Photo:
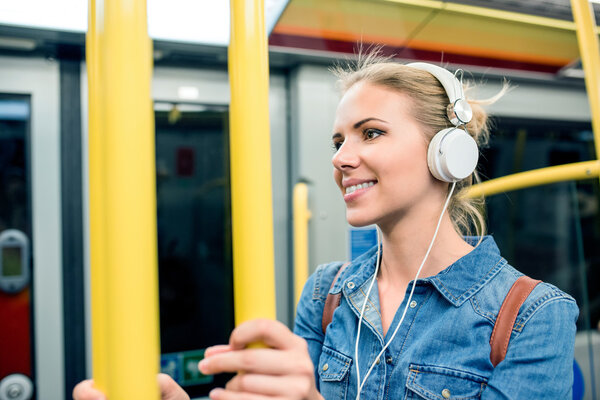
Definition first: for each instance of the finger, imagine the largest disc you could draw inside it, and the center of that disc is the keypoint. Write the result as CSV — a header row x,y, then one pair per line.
x,y
272,333
222,394
170,390
269,385
85,391
221,348
258,361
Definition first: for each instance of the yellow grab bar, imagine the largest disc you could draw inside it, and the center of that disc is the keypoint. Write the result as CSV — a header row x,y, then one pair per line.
x,y
250,154
301,217
542,176
97,225
590,58
123,193
590,55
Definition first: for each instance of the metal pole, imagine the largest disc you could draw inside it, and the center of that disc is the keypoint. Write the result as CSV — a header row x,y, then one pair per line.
x,y
590,58
542,176
301,217
127,201
96,185
251,200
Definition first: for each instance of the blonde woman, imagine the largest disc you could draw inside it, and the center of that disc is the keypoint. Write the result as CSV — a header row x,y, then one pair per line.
x,y
416,313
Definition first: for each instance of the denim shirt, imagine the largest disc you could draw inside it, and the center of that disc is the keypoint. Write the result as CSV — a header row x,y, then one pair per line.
x,y
442,349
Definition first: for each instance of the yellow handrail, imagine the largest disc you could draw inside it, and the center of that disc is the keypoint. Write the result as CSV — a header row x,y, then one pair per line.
x,y
590,58
125,196
301,217
250,154
97,226
589,49
542,176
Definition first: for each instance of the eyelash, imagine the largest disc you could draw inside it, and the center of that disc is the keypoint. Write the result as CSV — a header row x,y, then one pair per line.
x,y
372,130
336,145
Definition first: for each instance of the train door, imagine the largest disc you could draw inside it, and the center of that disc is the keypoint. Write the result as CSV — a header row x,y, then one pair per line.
x,y
31,342
194,217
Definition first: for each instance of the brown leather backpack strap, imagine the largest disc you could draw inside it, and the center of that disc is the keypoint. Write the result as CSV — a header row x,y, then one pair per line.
x,y
508,315
332,301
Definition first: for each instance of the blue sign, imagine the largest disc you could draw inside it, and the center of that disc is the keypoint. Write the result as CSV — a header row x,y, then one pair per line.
x,y
183,367
361,240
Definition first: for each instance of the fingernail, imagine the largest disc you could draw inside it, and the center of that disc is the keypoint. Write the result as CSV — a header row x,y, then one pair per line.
x,y
215,393
203,365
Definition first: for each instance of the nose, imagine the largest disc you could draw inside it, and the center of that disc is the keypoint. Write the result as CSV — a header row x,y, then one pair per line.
x,y
346,157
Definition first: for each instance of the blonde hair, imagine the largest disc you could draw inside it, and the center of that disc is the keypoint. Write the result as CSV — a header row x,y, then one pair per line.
x,y
429,103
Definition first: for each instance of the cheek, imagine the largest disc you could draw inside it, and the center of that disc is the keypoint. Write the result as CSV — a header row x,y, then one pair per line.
x,y
407,167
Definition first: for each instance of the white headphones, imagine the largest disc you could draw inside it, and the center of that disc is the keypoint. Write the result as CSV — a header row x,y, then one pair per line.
x,y
452,154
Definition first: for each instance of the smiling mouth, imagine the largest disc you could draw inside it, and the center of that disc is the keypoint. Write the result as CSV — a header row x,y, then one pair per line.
x,y
353,188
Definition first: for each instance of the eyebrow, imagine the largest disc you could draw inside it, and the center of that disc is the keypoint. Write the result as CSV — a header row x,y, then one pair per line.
x,y
358,124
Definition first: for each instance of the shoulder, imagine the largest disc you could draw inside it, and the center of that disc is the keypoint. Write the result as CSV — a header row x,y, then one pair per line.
x,y
320,281
309,311
488,300
316,288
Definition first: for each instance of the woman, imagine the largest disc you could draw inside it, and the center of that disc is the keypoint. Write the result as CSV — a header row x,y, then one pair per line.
x,y
389,338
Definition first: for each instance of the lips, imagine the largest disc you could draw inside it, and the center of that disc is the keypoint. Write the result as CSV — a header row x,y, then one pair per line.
x,y
353,188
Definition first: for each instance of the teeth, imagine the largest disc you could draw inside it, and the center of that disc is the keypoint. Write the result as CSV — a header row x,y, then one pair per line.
x,y
353,188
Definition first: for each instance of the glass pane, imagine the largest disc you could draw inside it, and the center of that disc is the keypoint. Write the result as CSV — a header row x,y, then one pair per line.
x,y
194,238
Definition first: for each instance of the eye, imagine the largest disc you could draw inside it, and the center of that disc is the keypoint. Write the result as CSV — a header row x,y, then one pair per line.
x,y
372,133
337,144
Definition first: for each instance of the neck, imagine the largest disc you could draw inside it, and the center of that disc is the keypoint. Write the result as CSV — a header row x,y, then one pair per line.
x,y
406,241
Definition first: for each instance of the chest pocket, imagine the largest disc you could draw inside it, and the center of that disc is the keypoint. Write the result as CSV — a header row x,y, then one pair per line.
x,y
334,370
428,382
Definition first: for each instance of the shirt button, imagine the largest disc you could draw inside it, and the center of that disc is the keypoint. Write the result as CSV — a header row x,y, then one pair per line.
x,y
389,360
350,285
325,367
413,304
446,393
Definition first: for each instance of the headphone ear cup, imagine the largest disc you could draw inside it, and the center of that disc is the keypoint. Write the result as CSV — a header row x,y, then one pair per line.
x,y
452,155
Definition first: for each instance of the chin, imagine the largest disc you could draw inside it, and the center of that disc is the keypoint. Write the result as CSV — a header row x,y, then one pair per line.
x,y
358,221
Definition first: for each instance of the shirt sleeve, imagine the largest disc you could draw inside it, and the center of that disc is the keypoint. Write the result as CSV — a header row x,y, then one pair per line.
x,y
309,314
539,360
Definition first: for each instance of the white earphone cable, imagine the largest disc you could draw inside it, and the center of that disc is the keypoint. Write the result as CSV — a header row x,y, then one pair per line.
x,y
362,311
360,386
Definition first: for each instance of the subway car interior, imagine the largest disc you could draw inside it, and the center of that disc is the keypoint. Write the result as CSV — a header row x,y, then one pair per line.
x,y
547,230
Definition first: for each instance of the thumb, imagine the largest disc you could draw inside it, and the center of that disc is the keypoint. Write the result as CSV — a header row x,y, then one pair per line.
x,y
170,390
85,391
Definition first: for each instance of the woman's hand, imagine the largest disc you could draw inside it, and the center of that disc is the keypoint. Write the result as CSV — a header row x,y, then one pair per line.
x,y
283,370
169,390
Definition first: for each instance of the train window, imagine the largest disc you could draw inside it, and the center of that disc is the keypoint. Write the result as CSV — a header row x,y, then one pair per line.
x,y
194,238
550,232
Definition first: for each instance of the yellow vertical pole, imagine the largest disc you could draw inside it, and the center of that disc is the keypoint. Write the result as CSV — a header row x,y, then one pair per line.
x,y
590,57
97,250
301,217
127,200
250,153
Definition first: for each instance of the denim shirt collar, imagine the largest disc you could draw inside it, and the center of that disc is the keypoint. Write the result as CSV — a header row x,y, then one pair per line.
x,y
457,283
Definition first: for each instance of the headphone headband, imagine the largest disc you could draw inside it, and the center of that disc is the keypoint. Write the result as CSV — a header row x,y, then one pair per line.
x,y
459,111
